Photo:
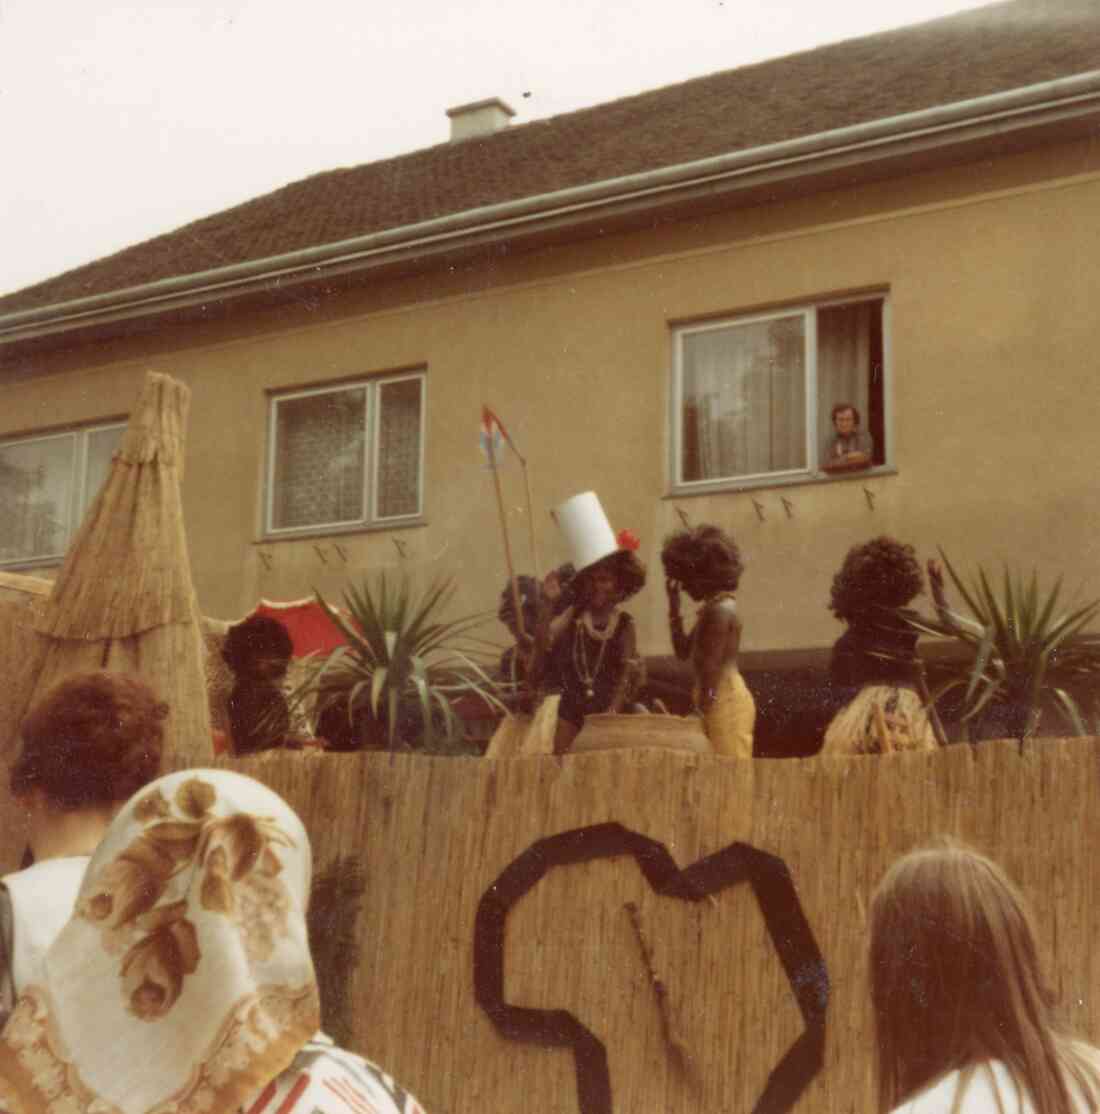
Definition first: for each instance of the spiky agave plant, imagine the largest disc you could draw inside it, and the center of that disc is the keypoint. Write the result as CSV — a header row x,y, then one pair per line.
x,y
402,656
1023,653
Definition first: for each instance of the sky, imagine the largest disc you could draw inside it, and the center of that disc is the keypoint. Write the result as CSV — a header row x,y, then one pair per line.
x,y
123,120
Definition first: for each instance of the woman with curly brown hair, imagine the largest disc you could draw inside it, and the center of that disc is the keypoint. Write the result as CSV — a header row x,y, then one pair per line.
x,y
93,741
964,1021
876,658
706,563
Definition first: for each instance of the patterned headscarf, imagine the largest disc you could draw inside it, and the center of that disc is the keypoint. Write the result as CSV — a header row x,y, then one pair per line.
x,y
183,981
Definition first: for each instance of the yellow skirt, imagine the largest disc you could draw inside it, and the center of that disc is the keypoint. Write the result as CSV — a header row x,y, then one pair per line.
x,y
730,719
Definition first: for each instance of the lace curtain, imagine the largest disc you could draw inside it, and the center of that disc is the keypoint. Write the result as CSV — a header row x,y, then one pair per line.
x,y
744,390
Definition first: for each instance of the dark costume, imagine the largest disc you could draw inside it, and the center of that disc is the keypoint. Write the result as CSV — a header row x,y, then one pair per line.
x,y
876,651
587,668
259,715
875,666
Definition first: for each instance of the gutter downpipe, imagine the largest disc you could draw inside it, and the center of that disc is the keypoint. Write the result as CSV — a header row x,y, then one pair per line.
x,y
1080,89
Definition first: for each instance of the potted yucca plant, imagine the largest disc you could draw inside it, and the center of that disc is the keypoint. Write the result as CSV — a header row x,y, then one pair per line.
x,y
1025,657
402,671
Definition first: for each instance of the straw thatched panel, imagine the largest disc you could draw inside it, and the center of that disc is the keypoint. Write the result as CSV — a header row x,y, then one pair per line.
x,y
431,835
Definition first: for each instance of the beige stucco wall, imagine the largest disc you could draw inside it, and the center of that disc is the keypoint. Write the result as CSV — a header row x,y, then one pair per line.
x,y
993,273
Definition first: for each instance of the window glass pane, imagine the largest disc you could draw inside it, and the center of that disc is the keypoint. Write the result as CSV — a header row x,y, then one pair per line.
x,y
320,450
744,400
399,448
848,348
35,495
101,446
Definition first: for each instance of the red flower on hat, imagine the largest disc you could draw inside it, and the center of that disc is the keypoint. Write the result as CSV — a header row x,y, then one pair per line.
x,y
627,539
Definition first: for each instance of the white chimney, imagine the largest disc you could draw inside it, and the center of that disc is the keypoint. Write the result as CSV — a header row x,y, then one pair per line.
x,y
479,118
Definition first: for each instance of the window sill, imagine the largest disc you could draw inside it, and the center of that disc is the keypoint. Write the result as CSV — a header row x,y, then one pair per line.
x,y
312,533
759,483
29,568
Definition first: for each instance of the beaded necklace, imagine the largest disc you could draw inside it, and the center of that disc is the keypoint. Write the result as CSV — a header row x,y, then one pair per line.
x,y
580,649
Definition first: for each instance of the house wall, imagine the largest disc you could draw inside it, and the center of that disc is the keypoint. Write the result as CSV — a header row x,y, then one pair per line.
x,y
992,269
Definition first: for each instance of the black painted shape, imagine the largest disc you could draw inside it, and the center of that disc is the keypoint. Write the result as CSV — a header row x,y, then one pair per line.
x,y
774,890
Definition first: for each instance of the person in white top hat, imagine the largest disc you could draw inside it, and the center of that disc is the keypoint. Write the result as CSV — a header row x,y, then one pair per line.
x,y
591,648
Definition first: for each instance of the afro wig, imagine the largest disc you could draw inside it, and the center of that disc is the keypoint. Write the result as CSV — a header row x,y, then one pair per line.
x,y
882,574
705,556
258,636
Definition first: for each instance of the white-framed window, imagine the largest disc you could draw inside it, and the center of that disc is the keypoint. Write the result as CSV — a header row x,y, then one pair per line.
x,y
346,456
47,482
753,396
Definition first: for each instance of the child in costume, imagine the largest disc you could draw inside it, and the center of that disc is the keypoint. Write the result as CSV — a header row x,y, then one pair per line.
x,y
875,661
258,650
706,563
590,649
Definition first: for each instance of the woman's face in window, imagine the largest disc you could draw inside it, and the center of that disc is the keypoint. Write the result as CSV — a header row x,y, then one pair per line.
x,y
845,423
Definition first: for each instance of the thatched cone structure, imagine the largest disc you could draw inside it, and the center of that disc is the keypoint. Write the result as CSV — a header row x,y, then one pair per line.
x,y
124,599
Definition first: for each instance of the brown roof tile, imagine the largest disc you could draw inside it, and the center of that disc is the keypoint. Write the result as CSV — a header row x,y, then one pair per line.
x,y
988,50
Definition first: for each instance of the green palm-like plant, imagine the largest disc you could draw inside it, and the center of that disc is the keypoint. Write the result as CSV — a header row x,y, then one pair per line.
x,y
1023,653
402,658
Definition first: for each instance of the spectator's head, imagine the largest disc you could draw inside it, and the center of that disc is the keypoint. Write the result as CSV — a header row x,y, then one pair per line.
x,y
259,648
845,418
91,742
880,575
955,977
704,559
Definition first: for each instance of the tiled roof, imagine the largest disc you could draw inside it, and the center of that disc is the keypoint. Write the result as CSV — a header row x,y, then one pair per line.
x,y
988,50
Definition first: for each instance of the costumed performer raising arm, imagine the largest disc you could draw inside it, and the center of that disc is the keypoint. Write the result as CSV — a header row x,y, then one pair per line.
x,y
590,648
706,563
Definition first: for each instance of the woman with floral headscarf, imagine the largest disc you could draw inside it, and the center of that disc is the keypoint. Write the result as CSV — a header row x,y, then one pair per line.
x,y
184,980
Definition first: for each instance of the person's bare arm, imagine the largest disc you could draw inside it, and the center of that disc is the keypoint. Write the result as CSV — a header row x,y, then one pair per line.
x,y
626,665
717,641
681,641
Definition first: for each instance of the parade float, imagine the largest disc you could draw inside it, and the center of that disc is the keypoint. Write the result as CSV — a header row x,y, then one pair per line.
x,y
640,927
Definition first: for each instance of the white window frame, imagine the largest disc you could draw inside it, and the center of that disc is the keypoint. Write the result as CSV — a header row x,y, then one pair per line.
x,y
79,496
370,520
808,311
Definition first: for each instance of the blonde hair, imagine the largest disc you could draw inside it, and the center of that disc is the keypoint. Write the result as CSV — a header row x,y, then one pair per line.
x,y
955,982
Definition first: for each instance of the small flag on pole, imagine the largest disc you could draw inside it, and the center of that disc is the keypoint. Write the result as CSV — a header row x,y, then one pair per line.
x,y
492,436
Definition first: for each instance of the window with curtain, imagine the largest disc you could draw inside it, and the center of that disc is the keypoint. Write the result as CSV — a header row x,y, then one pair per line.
x,y
753,395
47,482
346,456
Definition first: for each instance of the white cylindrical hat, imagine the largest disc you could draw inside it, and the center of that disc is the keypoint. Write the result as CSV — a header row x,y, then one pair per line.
x,y
586,529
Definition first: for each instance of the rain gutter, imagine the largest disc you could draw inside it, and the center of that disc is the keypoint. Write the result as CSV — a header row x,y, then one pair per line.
x,y
1047,103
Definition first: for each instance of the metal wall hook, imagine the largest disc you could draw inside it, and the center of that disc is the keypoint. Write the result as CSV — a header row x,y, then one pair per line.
x,y
788,506
320,553
266,558
400,547
343,553
684,518
759,509
870,497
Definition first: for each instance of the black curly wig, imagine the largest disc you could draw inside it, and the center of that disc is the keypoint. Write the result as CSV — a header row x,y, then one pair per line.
x,y
258,636
704,557
881,574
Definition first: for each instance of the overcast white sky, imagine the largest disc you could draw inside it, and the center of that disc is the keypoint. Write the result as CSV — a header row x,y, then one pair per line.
x,y
122,120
